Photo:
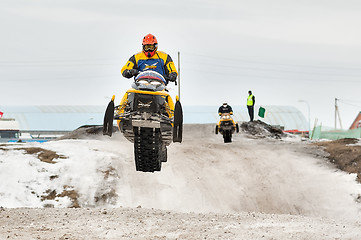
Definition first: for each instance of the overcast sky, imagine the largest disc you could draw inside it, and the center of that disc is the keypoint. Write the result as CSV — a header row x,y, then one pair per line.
x,y
71,51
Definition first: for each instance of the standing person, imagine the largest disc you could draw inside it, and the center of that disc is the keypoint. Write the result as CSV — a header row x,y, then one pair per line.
x,y
251,100
225,108
150,59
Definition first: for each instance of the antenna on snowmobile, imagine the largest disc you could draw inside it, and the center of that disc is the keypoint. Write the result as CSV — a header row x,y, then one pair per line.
x,y
178,112
178,74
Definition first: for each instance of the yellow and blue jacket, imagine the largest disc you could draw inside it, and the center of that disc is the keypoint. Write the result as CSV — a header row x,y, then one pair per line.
x,y
159,62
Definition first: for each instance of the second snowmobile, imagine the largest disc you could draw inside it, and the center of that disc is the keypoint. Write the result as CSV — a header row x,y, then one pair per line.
x,y
227,126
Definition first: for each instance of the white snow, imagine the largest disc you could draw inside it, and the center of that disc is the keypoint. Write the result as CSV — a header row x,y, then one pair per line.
x,y
204,181
358,143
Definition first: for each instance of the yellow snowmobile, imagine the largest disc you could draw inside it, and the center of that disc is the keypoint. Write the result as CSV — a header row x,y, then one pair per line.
x,y
227,126
148,118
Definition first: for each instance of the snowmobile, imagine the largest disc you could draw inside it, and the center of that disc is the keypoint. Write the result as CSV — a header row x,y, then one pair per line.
x,y
148,118
226,126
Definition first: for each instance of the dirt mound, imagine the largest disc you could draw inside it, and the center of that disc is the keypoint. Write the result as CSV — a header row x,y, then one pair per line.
x,y
89,131
260,129
85,132
344,154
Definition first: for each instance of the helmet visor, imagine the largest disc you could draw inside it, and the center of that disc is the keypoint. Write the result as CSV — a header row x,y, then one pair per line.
x,y
149,47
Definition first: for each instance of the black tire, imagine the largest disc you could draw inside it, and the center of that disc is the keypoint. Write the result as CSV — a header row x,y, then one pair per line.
x,y
216,129
108,119
178,122
147,145
237,128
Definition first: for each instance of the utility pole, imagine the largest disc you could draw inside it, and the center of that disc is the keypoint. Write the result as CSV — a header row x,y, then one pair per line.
x,y
337,113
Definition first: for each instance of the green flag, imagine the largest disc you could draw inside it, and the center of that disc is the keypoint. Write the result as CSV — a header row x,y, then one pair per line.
x,y
261,112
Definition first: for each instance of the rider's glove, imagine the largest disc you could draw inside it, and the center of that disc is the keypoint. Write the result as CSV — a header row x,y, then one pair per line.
x,y
128,73
172,76
133,72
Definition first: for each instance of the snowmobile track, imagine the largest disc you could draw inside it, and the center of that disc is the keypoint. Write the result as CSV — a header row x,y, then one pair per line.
x,y
227,136
146,149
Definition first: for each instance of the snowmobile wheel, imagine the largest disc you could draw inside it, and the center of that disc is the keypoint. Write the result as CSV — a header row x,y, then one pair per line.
x,y
216,129
147,147
178,122
108,119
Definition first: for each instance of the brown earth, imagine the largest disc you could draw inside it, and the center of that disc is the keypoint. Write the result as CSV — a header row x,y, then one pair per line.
x,y
344,155
67,192
44,155
259,129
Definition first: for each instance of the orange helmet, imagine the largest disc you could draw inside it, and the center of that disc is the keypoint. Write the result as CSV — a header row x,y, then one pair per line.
x,y
150,45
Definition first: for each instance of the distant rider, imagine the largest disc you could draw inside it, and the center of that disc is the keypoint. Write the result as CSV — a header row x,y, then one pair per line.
x,y
150,59
225,108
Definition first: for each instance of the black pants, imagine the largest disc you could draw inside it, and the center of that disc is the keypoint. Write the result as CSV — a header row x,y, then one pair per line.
x,y
251,112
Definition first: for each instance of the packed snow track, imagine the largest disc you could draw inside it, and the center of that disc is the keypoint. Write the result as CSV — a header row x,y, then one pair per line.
x,y
249,183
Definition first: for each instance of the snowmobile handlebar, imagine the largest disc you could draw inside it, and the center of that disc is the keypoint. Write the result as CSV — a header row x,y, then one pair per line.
x,y
167,78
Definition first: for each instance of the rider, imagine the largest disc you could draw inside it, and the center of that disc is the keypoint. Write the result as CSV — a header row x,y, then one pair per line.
x,y
150,59
225,108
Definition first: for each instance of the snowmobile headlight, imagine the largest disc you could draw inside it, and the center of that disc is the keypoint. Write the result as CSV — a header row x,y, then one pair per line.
x,y
226,117
143,82
155,83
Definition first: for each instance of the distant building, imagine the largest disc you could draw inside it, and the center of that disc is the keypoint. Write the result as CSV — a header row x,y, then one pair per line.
x,y
357,122
286,117
68,118
9,129
41,123
54,118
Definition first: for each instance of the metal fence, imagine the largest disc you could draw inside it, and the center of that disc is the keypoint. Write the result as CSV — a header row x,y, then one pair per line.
x,y
317,133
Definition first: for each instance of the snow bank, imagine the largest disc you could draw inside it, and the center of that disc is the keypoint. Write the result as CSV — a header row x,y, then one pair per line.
x,y
202,175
